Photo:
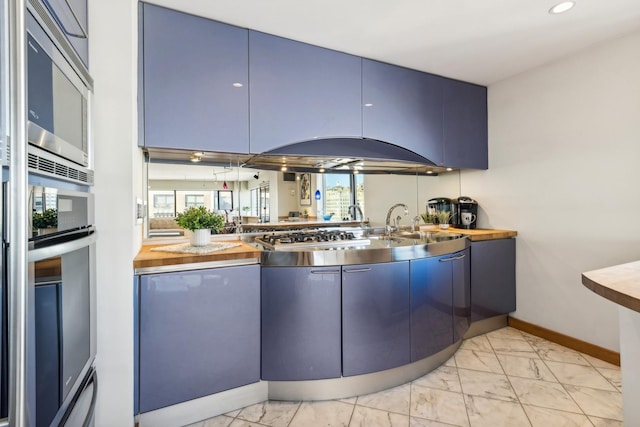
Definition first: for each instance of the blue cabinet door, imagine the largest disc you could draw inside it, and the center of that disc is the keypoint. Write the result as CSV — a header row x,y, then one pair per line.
x,y
431,307
375,317
461,279
300,92
403,107
493,278
199,334
465,125
301,335
192,67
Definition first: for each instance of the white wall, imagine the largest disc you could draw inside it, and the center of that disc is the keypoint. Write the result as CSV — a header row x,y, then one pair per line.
x,y
118,181
564,171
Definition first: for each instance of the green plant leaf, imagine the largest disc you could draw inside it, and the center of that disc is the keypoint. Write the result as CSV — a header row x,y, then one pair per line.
x,y
196,218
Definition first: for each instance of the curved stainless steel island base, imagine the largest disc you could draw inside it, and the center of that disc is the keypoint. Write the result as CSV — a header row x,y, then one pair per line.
x,y
358,385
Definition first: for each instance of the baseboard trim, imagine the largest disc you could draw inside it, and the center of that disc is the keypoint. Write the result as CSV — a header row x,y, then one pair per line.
x,y
567,341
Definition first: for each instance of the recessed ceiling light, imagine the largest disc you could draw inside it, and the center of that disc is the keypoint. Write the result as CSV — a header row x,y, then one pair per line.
x,y
449,169
429,172
356,171
237,84
321,170
195,159
283,168
368,104
562,7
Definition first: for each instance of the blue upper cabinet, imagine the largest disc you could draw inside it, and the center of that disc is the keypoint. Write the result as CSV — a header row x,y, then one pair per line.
x,y
195,83
465,125
300,92
403,107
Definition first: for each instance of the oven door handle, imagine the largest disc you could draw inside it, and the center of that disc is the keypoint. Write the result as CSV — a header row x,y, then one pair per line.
x,y
35,255
94,396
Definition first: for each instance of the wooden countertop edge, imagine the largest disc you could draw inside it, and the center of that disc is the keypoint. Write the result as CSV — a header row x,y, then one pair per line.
x,y
146,259
478,235
609,292
148,263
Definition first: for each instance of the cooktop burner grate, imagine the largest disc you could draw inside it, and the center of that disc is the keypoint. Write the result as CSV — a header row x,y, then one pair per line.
x,y
323,239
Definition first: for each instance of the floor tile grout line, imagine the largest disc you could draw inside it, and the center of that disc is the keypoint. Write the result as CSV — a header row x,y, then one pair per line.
x,y
511,384
561,384
295,413
466,408
353,411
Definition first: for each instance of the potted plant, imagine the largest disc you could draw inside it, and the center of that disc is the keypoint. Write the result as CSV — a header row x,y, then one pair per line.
x,y
443,218
45,220
429,218
200,221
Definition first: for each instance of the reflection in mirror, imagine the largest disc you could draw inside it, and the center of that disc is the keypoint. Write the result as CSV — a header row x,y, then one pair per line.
x,y
249,196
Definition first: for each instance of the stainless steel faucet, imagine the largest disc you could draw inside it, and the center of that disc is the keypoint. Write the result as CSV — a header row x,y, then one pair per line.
x,y
356,211
414,221
387,223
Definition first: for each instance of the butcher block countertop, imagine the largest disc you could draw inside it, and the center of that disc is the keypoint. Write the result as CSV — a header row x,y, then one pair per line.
x,y
147,258
476,235
620,284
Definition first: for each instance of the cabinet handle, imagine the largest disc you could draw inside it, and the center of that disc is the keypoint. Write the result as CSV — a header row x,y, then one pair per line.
x,y
452,258
325,271
357,270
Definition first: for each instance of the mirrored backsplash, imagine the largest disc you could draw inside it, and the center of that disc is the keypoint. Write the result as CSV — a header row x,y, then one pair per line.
x,y
252,195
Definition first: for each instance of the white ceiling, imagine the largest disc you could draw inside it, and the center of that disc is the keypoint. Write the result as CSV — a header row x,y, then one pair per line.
x,y
480,41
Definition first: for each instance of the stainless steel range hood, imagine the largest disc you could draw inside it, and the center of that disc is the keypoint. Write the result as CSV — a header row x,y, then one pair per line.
x,y
335,155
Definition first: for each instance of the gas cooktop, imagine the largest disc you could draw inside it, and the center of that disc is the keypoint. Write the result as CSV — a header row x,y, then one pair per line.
x,y
308,239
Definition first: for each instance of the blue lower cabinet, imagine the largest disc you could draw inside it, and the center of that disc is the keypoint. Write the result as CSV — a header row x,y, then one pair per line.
x,y
199,333
493,278
301,336
375,317
431,307
461,279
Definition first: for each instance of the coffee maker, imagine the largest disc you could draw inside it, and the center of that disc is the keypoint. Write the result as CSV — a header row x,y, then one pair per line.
x,y
464,212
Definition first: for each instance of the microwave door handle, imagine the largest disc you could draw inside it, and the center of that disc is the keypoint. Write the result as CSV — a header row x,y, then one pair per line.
x,y
81,34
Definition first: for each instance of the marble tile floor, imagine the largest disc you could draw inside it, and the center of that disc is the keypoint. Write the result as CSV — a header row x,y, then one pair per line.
x,y
503,378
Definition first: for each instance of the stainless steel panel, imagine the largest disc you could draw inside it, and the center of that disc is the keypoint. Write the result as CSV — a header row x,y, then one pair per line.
x,y
383,250
18,293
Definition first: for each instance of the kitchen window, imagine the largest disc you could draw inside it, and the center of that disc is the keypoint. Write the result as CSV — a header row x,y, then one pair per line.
x,y
225,200
163,205
193,200
339,191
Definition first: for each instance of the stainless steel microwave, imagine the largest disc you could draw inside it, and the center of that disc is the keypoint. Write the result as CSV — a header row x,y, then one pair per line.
x,y
57,99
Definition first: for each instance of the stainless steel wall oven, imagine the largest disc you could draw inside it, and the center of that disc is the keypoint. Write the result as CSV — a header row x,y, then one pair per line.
x,y
62,276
